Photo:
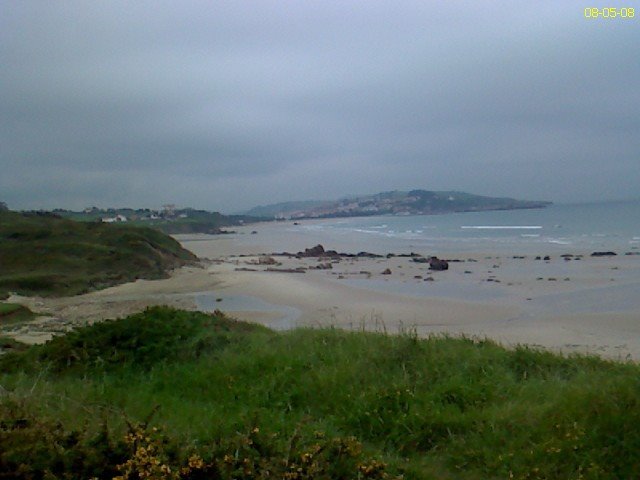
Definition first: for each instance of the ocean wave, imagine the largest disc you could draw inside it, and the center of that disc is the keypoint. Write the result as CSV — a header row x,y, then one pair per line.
x,y
559,242
503,227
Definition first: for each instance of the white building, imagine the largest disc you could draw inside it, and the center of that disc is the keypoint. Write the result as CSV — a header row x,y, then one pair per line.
x,y
116,219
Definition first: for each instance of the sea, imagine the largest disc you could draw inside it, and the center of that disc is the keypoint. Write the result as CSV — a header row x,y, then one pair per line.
x,y
556,229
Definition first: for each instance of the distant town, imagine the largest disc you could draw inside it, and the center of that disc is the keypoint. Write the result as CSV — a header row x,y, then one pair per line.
x,y
414,202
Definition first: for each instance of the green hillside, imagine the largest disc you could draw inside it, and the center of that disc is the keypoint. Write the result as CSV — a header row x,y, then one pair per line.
x,y
43,254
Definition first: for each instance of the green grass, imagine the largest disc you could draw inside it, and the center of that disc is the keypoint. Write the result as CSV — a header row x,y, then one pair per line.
x,y
12,313
46,255
436,408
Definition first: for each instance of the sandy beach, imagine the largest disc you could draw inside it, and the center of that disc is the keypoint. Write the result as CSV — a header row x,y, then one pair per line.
x,y
569,304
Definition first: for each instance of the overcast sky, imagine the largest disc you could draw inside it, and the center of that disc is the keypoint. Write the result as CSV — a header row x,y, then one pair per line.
x,y
227,105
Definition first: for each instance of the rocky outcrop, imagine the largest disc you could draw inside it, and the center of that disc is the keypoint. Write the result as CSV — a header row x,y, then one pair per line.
x,y
436,264
603,254
316,251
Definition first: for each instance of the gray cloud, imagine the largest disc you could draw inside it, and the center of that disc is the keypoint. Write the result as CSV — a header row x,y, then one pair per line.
x,y
224,105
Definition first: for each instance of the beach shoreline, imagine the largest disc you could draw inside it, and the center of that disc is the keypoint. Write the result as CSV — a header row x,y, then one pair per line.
x,y
582,304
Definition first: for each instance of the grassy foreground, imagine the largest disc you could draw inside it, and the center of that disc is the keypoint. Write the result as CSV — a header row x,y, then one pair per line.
x,y
172,394
42,254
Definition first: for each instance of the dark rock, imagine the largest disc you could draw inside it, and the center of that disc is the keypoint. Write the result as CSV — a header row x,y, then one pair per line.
x,y
468,271
287,270
436,264
603,254
284,254
420,260
245,269
314,251
429,279
538,258
253,232
368,255
547,258
386,272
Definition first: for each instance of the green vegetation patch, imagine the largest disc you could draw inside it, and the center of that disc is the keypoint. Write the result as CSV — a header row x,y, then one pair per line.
x,y
43,254
10,344
11,313
159,335
233,400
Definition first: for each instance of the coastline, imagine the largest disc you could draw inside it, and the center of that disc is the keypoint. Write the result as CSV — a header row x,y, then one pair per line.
x,y
583,305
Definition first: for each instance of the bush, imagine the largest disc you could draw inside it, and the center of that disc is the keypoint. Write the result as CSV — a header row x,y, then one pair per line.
x,y
157,335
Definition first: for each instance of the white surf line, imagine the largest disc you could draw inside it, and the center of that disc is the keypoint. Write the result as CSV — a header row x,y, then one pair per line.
x,y
503,227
